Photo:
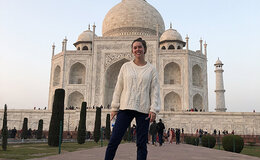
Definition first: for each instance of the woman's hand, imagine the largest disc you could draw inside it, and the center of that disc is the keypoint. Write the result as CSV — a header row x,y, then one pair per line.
x,y
152,116
113,114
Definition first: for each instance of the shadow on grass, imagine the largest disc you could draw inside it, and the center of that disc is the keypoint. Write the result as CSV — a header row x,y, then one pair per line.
x,y
28,151
247,150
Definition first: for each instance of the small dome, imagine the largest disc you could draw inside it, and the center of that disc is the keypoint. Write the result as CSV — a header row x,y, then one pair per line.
x,y
85,36
218,62
132,18
171,35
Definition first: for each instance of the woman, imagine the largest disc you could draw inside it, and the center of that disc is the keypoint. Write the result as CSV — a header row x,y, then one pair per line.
x,y
136,96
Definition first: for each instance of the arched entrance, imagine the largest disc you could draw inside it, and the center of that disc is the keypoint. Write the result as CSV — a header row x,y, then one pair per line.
x,y
172,73
197,102
56,76
196,76
75,99
172,102
77,74
111,79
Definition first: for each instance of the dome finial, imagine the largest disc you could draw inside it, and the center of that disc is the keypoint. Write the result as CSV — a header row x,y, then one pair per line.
x,y
88,26
171,25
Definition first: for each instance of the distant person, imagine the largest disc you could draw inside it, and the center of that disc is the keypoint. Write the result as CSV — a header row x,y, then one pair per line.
x,y
153,132
178,134
171,136
215,131
160,128
13,133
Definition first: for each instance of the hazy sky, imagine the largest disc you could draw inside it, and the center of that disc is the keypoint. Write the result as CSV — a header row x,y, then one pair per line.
x,y
28,28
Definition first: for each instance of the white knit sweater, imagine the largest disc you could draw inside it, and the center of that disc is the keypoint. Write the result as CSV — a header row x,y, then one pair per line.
x,y
137,88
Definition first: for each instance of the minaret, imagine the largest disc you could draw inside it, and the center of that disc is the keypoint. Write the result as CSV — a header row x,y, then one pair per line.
x,y
53,49
65,43
220,98
205,49
201,45
187,43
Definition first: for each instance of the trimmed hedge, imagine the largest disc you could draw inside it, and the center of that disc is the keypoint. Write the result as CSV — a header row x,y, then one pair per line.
x,y
57,117
233,143
39,131
24,134
4,130
97,128
208,141
107,130
192,140
81,135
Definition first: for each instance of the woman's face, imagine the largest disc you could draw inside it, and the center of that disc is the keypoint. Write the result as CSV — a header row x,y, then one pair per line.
x,y
138,50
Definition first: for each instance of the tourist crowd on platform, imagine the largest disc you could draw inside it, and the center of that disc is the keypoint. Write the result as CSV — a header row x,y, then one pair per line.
x,y
16,134
195,110
157,133
201,132
35,108
93,107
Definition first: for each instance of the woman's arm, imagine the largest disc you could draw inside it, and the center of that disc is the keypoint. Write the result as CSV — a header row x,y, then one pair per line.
x,y
155,93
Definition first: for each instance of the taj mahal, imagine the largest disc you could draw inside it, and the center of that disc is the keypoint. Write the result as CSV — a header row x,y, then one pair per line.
x,y
89,73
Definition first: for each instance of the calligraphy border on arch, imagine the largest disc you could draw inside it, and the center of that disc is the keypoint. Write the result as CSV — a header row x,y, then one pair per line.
x,y
111,58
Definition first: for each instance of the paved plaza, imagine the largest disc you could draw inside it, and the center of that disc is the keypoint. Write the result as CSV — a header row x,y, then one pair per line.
x,y
166,152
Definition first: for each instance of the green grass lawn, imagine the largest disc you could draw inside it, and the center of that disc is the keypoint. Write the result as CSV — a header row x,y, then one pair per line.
x,y
247,150
27,151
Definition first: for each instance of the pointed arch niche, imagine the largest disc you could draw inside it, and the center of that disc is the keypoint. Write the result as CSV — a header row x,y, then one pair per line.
x,y
111,79
172,73
197,102
196,76
56,76
75,99
77,74
172,102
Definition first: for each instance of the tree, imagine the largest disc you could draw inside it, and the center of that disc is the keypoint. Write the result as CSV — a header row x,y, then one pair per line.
x,y
56,117
24,134
107,130
39,131
127,136
97,125
82,124
129,133
4,130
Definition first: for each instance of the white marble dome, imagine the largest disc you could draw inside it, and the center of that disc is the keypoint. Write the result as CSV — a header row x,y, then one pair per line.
x,y
131,18
218,62
171,35
85,36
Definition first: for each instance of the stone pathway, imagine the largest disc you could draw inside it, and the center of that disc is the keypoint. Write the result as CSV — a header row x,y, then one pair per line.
x,y
166,152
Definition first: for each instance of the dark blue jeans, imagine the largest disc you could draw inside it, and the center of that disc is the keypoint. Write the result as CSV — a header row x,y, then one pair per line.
x,y
160,135
123,120
153,138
